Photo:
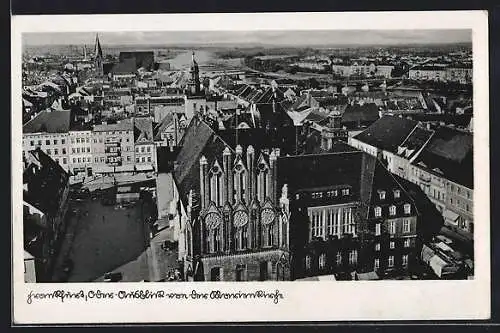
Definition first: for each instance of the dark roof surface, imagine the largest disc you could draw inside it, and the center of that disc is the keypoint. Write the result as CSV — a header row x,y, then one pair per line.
x,y
387,133
360,113
143,129
49,122
450,153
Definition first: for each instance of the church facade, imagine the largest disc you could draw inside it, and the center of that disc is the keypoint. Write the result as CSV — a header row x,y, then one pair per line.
x,y
235,228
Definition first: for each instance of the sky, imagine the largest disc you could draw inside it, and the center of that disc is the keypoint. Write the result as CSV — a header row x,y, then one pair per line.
x,y
276,38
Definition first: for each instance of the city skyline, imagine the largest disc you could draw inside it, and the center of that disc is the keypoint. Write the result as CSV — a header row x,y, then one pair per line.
x,y
276,38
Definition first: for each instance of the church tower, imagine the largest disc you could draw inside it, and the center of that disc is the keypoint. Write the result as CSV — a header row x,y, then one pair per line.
x,y
98,58
194,79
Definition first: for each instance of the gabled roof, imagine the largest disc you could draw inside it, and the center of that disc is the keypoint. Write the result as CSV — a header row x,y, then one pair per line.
x,y
163,124
387,133
122,125
143,130
198,140
49,122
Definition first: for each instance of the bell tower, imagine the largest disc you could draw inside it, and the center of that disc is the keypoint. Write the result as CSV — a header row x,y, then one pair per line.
x,y
194,80
98,58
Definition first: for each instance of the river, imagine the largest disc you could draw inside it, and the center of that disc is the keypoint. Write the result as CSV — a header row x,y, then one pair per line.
x,y
183,60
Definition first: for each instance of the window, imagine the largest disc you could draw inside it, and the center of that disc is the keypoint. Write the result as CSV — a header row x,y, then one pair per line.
x,y
56,151
391,245
377,229
378,211
74,160
95,140
149,158
57,160
397,194
87,140
32,143
77,140
377,247
345,191
64,160
407,208
390,261
322,261
88,159
353,257
72,141
136,149
142,149
96,160
64,151
405,260
392,210
137,160
381,195
78,150
47,142
376,264
73,150
339,258
102,159
48,152
148,149
407,242
88,149
406,226
308,262
128,158
63,141
392,227
39,142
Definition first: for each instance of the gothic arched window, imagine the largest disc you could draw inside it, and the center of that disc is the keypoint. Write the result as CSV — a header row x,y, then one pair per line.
x,y
241,226
239,182
216,185
262,182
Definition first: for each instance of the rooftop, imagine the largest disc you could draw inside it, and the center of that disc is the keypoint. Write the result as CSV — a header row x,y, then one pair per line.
x,y
49,122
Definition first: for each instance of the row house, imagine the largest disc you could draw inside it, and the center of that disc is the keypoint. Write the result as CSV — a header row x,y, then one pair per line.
x,y
461,74
113,147
80,150
145,148
439,161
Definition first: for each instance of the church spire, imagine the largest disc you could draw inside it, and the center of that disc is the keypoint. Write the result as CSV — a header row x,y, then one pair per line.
x,y
98,50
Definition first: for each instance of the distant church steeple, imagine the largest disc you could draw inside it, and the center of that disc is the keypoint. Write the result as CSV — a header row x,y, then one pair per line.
x,y
194,80
98,58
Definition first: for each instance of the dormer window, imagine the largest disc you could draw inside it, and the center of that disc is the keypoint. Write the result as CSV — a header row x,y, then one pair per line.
x,y
381,195
392,210
345,191
407,208
378,211
397,194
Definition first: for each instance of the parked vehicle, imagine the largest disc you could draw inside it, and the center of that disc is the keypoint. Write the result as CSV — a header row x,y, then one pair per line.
x,y
113,277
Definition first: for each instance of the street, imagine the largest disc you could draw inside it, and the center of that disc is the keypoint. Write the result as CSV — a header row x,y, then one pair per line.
x,y
108,239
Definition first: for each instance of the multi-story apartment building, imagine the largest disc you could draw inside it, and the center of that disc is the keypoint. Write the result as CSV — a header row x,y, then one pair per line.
x,y
49,130
113,147
80,150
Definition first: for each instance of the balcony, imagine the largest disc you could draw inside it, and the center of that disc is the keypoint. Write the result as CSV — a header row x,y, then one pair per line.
x,y
425,178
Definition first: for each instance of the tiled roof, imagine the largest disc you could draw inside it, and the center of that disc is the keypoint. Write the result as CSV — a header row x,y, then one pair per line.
x,y
164,123
387,133
49,122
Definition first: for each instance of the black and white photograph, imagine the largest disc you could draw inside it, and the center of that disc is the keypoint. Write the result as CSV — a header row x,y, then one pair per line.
x,y
175,157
